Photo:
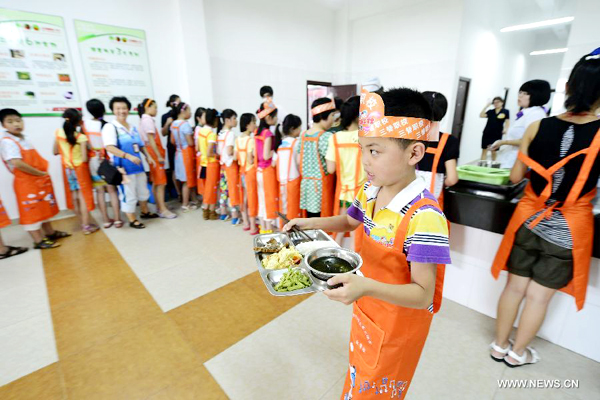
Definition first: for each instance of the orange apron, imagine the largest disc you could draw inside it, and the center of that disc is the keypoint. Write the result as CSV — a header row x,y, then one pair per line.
x,y
189,158
292,187
199,181
83,177
35,196
343,189
326,180
157,172
578,213
4,220
270,183
386,340
437,154
232,177
250,176
213,175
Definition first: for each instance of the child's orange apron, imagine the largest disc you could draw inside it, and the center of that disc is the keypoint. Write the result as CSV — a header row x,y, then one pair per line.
x,y
327,181
233,178
386,340
437,154
292,187
35,196
189,158
213,175
199,181
250,176
578,213
343,189
83,176
4,220
157,171
270,183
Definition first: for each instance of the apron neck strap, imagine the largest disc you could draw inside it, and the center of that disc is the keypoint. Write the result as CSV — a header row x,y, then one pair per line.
x,y
403,227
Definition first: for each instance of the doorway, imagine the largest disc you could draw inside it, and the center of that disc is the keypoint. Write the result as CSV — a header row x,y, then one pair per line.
x,y
460,107
317,89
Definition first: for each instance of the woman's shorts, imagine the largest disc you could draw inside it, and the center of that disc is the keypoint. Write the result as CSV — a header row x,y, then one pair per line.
x,y
544,262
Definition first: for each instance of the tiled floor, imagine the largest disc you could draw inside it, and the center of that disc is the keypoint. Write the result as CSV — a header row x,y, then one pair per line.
x,y
178,311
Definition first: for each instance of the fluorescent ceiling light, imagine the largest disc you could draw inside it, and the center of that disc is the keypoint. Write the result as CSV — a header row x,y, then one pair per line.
x,y
550,51
537,24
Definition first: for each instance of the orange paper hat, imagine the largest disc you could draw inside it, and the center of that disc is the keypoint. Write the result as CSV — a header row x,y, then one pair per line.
x,y
268,108
322,108
373,122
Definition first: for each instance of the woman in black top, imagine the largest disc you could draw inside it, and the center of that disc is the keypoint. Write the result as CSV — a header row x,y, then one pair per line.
x,y
498,121
551,249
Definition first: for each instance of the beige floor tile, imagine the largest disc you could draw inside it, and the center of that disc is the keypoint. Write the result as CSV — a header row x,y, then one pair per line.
x,y
82,324
277,363
44,384
131,365
335,392
199,385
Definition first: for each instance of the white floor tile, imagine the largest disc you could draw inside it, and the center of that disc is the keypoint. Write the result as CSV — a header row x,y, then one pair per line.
x,y
26,347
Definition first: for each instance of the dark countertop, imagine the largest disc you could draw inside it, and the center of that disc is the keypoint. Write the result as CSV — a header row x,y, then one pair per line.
x,y
490,213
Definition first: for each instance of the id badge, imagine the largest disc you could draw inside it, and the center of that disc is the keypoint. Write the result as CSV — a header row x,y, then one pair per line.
x,y
136,147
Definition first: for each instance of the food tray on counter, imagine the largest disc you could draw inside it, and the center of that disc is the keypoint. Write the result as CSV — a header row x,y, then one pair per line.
x,y
492,176
271,277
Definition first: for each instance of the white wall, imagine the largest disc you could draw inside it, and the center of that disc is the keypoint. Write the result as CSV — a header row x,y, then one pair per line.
x,y
493,61
164,26
409,43
264,42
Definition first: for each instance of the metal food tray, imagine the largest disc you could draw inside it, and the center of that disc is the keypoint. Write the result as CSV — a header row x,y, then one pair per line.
x,y
271,277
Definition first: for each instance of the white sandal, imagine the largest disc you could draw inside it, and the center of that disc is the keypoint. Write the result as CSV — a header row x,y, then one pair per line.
x,y
498,349
522,360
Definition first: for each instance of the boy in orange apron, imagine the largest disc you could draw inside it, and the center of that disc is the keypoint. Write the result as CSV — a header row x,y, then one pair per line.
x,y
32,183
207,147
266,176
404,249
185,156
344,158
438,167
76,173
548,243
317,188
226,151
244,150
287,168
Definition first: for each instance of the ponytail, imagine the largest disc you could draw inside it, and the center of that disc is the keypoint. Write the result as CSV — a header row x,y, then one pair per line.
x,y
72,121
141,108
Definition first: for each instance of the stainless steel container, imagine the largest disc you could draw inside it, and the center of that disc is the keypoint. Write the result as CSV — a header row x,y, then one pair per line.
x,y
351,257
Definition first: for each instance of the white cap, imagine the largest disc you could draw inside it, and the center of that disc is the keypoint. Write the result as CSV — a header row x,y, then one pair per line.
x,y
372,84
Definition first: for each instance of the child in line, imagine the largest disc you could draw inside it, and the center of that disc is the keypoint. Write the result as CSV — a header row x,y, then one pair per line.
x,y
344,159
230,191
266,177
72,145
185,159
32,183
317,186
207,146
287,168
8,251
93,130
438,166
147,110
199,122
244,153
404,248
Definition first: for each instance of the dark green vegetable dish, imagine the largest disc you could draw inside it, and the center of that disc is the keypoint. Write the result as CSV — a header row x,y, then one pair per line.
x,y
331,265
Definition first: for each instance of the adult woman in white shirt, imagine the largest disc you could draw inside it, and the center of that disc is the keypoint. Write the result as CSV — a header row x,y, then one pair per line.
x,y
532,96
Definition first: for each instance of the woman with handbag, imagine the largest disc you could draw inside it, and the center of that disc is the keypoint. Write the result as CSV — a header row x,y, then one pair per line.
x,y
123,141
93,130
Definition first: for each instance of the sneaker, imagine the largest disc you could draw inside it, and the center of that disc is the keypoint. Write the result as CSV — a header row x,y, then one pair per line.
x,y
206,214
213,216
235,221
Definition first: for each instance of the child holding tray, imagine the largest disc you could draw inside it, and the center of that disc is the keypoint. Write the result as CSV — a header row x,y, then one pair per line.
x,y
404,249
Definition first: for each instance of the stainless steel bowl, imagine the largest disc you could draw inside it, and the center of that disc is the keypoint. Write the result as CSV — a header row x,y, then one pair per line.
x,y
353,258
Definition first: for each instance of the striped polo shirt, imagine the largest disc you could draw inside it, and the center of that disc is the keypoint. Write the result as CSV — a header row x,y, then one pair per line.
x,y
427,235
